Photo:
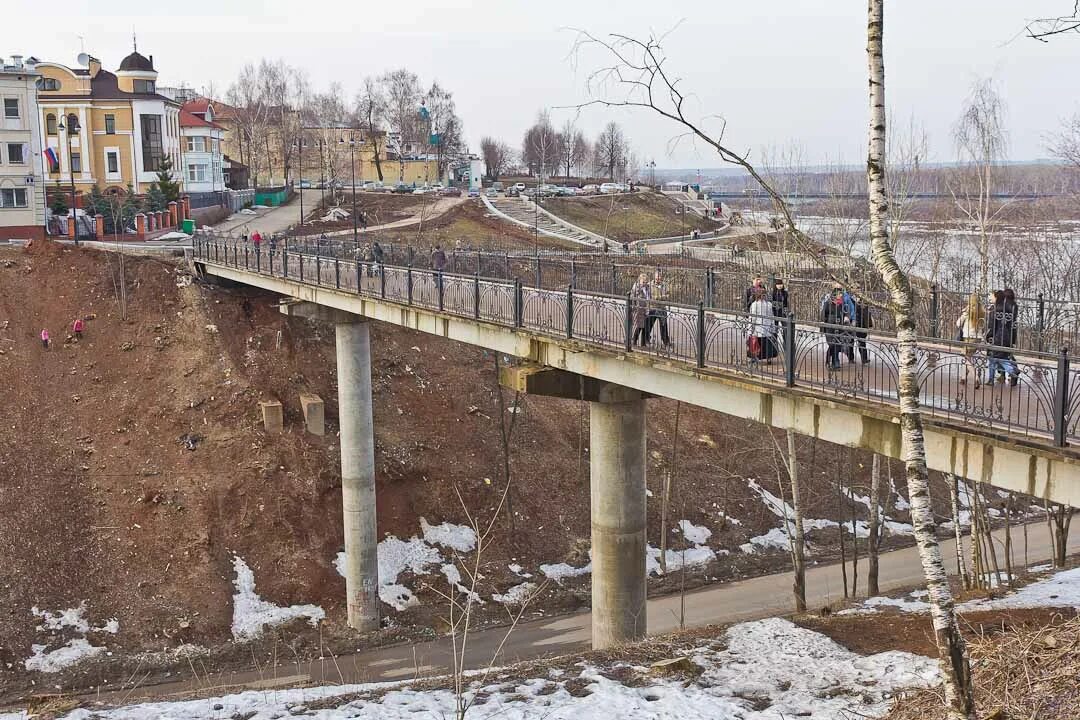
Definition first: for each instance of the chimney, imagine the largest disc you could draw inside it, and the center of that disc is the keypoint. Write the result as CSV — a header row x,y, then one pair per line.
x,y
16,60
94,66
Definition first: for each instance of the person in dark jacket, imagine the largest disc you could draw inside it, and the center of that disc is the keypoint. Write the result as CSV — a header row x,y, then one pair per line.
x,y
1001,334
779,298
863,322
438,259
748,296
834,312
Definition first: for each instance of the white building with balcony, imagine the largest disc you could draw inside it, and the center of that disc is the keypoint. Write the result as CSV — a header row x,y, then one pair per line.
x,y
201,148
22,188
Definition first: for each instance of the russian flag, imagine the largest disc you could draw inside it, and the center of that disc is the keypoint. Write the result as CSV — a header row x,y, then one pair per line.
x,y
54,161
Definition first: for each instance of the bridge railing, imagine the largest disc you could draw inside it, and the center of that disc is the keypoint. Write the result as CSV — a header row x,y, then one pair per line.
x,y
1037,393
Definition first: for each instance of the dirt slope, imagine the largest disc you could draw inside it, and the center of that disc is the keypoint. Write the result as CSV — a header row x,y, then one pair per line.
x,y
102,499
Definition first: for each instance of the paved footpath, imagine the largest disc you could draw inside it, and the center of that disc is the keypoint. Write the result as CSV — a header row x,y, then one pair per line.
x,y
739,601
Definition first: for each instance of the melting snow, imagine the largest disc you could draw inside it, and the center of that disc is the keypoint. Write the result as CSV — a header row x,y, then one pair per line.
x,y
1059,590
251,613
456,537
515,595
560,571
57,660
696,534
769,669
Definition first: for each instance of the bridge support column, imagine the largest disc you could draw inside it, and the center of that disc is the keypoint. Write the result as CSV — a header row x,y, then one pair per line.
x,y
358,474
617,480
357,459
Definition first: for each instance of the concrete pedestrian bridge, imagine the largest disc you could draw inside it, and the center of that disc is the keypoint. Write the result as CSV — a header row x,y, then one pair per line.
x,y
578,345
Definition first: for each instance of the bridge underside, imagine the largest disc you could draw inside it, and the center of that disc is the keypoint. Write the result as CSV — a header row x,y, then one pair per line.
x,y
1006,462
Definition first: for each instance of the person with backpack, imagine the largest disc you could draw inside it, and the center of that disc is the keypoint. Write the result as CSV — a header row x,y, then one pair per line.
x,y
77,328
1001,334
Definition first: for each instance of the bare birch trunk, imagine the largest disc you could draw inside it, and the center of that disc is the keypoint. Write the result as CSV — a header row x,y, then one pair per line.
x,y
954,502
952,649
665,499
799,549
873,541
978,574
854,529
989,539
840,525
1008,539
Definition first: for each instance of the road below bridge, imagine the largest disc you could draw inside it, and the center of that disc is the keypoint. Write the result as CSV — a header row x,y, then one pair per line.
x,y
739,601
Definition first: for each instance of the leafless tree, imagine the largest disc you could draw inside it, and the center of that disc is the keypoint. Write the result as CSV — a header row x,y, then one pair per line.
x,y
637,71
328,124
981,143
573,147
401,90
497,156
285,90
798,538
443,135
954,504
1065,143
952,650
1043,28
540,147
907,152
612,151
873,541
371,107
1058,519
251,120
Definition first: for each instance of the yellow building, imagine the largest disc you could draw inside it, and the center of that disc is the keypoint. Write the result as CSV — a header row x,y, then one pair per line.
x,y
106,129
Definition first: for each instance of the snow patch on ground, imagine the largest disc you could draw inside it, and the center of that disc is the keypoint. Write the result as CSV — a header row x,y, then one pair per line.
x,y
453,576
515,595
57,660
697,534
73,620
769,669
560,571
873,604
677,559
251,613
1059,590
456,537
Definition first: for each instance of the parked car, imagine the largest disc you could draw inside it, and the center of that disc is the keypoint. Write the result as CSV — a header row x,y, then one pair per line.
x,y
497,186
402,189
491,192
450,192
590,189
474,193
520,187
512,191
305,184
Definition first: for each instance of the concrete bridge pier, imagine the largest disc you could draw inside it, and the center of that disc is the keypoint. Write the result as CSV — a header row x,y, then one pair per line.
x,y
357,460
617,450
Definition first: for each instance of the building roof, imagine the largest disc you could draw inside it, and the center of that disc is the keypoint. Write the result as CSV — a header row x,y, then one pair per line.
x,y
189,119
197,106
137,63
104,86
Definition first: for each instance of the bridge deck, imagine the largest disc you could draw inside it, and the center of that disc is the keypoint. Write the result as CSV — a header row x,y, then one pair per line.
x,y
1013,437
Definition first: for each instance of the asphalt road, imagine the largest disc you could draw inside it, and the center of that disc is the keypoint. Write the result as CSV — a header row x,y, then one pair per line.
x,y
739,601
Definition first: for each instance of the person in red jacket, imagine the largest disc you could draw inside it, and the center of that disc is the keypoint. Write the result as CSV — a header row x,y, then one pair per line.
x,y
77,328
45,338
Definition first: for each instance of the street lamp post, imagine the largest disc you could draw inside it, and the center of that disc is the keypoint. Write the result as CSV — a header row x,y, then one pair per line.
x,y
72,127
351,142
299,145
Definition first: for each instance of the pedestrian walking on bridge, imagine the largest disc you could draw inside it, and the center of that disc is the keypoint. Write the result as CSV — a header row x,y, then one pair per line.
x,y
640,294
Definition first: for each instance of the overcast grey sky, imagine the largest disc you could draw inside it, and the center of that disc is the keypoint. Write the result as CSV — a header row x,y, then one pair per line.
x,y
779,72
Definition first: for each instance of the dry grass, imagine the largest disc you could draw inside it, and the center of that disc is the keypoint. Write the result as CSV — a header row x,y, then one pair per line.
x,y
1020,673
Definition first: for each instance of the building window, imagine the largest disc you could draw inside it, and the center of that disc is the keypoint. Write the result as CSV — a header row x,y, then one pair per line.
x,y
145,87
196,144
11,108
76,162
13,198
112,162
49,84
15,153
110,124
216,146
196,172
50,124
151,142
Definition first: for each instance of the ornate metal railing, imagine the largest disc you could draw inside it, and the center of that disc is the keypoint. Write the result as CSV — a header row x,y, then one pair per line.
x,y
1029,393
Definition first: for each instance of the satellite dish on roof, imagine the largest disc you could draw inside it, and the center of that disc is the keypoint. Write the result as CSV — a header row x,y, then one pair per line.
x,y
83,59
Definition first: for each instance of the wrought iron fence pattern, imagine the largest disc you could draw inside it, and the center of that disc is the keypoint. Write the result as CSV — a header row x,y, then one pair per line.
x,y
1028,393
